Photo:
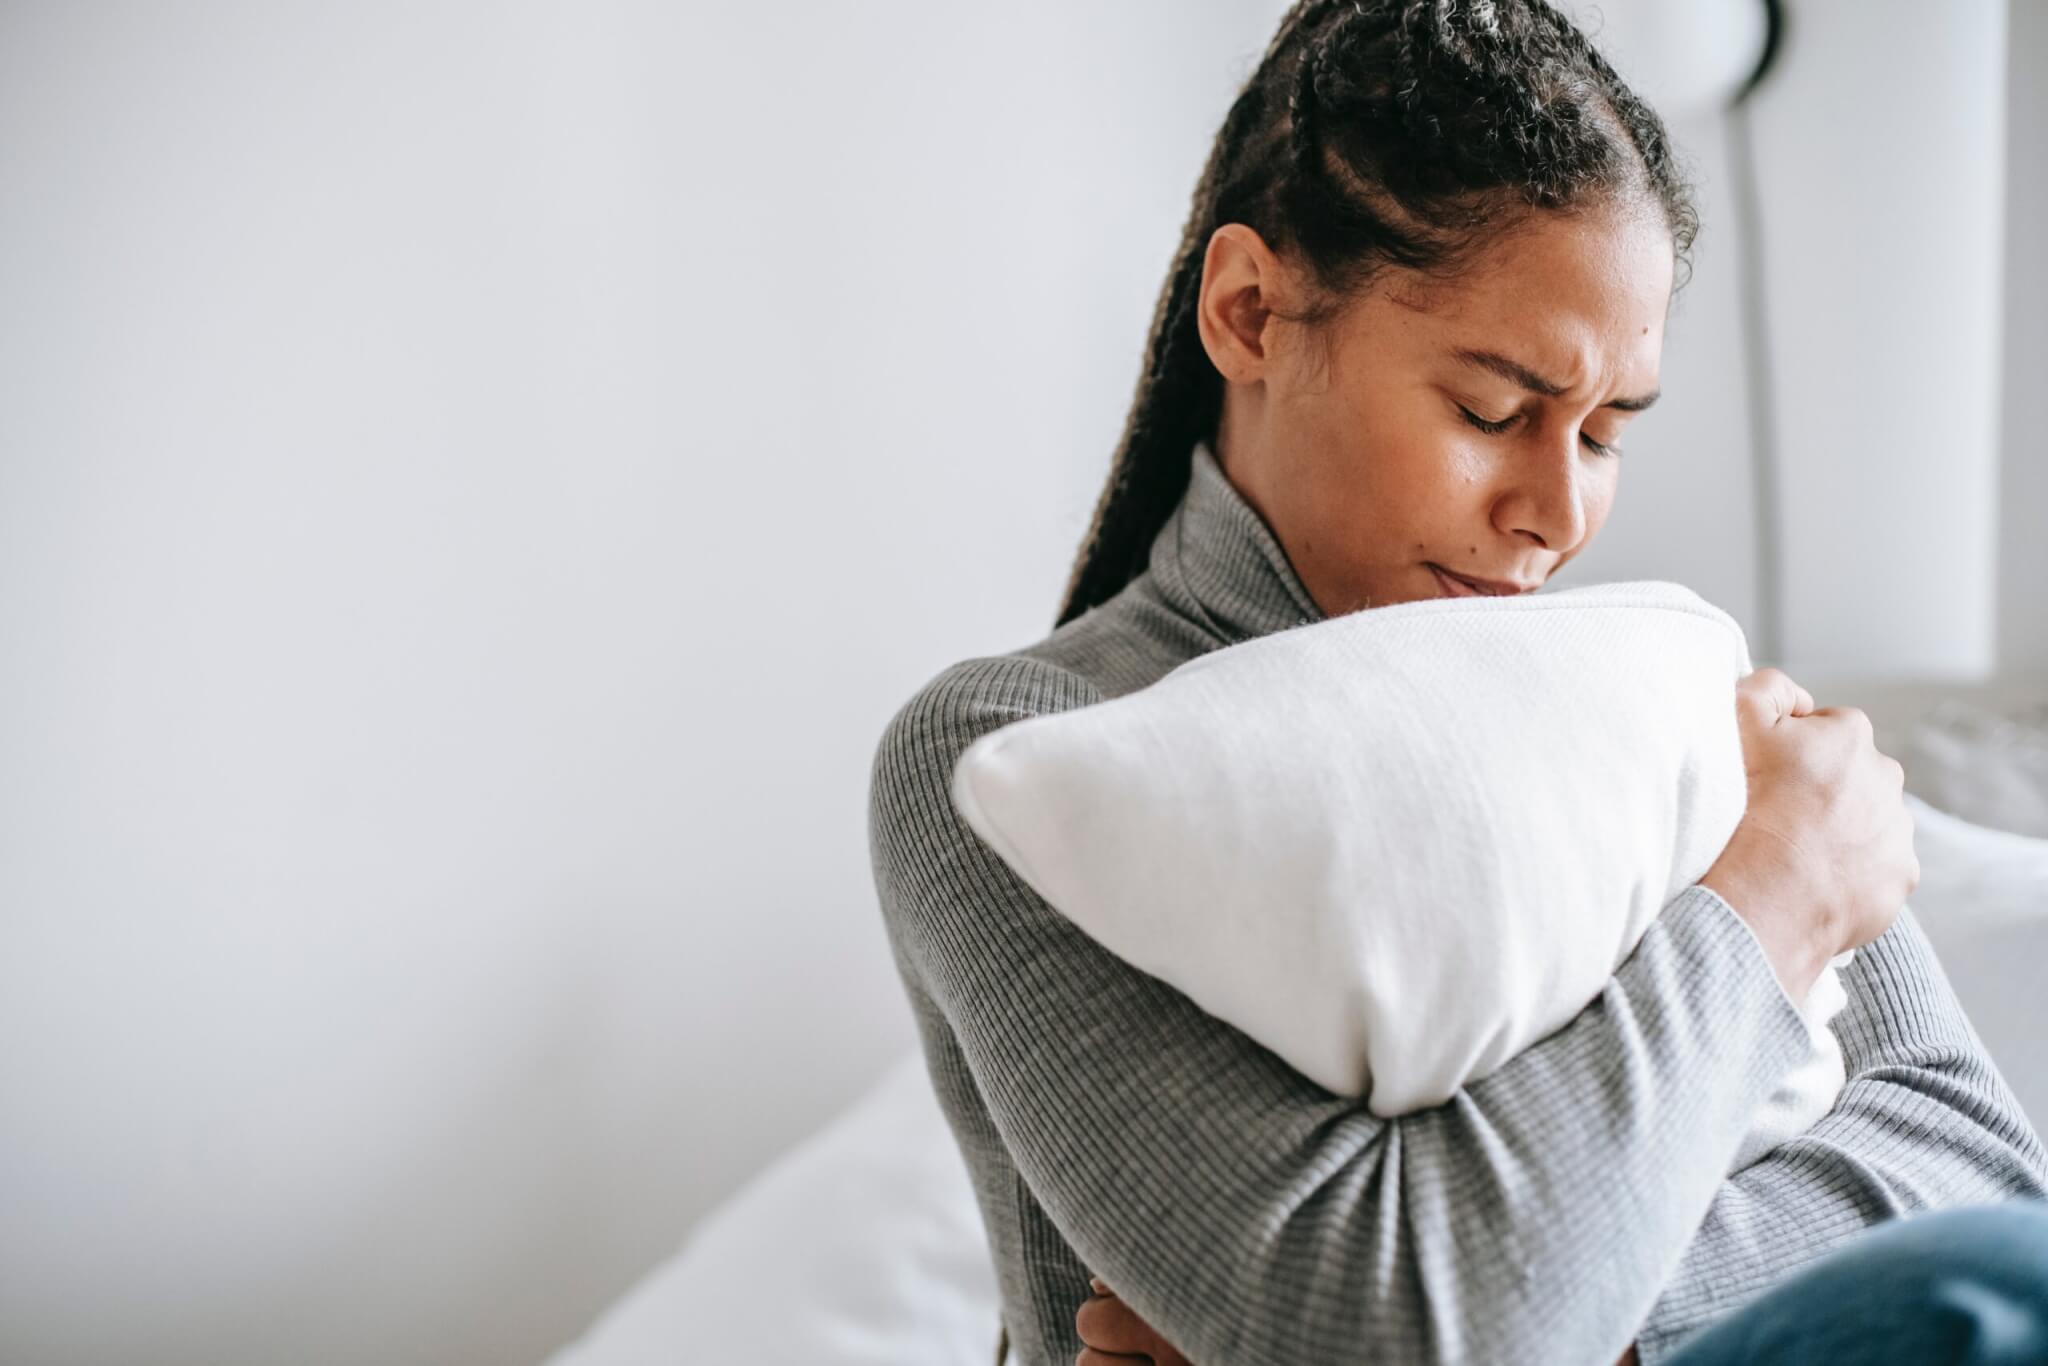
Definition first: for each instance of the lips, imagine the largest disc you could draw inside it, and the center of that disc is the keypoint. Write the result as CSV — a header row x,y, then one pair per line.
x,y
1459,586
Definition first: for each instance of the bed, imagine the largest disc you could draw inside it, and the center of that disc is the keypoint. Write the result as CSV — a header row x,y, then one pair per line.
x,y
863,1247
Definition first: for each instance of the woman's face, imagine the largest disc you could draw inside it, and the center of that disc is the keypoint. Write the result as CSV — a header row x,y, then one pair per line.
x,y
1456,426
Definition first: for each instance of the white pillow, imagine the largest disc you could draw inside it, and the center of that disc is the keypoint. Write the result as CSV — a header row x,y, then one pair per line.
x,y
862,1246
1975,878
1983,900
1400,845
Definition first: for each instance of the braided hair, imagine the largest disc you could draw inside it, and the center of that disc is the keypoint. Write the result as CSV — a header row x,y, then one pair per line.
x,y
1373,134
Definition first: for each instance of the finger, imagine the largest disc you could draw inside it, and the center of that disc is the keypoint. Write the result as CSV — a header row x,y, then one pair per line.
x,y
1788,696
1110,1325
1770,695
1090,1357
1857,719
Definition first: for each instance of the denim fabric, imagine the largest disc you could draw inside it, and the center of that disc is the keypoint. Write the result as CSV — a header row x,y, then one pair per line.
x,y
1959,1287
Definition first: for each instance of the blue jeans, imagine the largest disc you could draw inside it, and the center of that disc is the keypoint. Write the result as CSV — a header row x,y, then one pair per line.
x,y
1960,1287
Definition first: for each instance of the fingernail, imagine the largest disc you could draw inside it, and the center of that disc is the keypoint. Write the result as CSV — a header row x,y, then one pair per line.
x,y
1095,1284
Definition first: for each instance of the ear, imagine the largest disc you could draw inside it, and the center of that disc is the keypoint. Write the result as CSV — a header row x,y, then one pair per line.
x,y
1242,283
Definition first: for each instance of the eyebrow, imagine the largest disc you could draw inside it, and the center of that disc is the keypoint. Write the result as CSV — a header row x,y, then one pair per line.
x,y
1521,374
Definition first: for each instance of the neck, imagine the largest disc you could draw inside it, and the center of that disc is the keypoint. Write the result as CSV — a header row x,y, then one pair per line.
x,y
1218,563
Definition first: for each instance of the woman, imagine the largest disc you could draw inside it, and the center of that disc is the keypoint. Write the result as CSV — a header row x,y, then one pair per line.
x,y
1421,292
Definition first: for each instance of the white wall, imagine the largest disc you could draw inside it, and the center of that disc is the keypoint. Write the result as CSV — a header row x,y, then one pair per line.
x,y
1903,298
474,482
1881,153
2023,504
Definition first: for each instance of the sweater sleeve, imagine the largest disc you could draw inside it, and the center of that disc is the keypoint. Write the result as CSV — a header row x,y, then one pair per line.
x,y
1257,1219
1924,1121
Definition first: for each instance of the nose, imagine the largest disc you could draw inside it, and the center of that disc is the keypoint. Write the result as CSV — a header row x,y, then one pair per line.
x,y
1545,499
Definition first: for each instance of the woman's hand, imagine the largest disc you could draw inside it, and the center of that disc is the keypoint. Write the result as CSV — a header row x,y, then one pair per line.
x,y
1112,1332
1823,858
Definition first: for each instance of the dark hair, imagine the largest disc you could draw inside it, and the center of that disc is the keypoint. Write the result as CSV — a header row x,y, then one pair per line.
x,y
1374,134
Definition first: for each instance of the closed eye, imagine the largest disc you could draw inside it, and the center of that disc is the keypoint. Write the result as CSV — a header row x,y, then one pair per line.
x,y
1495,428
1483,425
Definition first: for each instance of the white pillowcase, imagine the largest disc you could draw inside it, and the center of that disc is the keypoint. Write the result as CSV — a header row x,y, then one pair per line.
x,y
1401,845
862,1246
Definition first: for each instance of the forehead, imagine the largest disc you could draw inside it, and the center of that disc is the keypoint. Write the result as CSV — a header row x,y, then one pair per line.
x,y
1580,297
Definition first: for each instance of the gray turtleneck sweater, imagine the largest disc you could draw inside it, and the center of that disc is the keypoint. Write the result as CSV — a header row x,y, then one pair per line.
x,y
1571,1203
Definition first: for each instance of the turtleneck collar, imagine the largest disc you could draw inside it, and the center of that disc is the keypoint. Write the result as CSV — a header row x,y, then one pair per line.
x,y
1218,562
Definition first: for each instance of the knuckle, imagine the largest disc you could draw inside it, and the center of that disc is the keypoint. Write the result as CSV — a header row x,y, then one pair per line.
x,y
1845,738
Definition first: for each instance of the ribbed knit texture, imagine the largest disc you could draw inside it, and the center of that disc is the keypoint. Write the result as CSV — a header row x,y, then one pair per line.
x,y
1568,1204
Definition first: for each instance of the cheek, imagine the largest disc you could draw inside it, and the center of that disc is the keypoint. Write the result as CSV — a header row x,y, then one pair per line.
x,y
1600,494
1448,487
1390,478
1597,501
1433,471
